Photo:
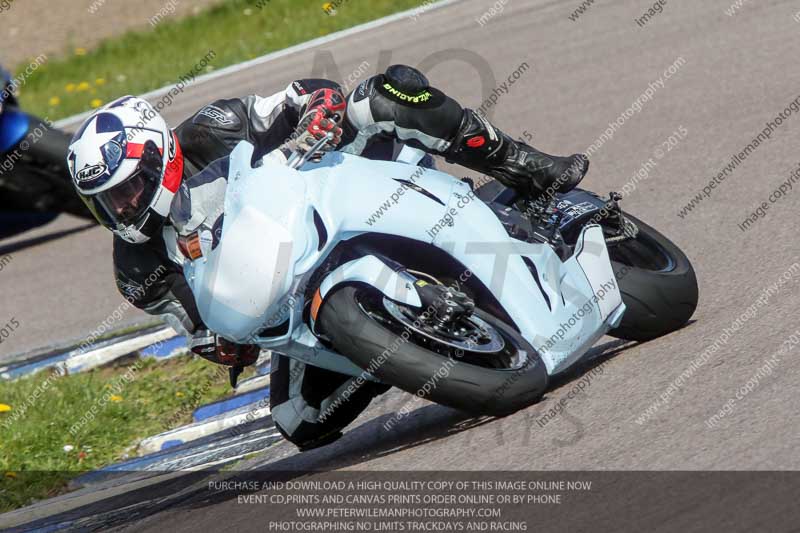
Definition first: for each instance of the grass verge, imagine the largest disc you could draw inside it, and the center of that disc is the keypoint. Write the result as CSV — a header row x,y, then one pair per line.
x,y
140,61
72,424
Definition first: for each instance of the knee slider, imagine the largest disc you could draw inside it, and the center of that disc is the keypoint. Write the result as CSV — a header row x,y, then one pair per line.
x,y
406,79
405,84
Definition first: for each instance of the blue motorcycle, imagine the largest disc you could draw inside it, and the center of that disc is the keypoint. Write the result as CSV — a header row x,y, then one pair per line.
x,y
33,170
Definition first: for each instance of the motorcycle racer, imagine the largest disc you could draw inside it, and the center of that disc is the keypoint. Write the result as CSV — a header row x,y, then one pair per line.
x,y
140,178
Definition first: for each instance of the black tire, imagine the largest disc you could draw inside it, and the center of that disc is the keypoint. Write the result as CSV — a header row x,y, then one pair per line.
x,y
48,155
660,297
659,291
52,147
477,390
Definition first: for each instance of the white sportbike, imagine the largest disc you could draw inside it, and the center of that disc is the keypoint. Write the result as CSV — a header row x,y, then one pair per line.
x,y
400,274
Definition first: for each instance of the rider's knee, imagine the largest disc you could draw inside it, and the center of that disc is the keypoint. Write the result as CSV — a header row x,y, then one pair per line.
x,y
403,98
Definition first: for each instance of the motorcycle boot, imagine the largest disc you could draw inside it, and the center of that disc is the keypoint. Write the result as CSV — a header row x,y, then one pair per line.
x,y
533,174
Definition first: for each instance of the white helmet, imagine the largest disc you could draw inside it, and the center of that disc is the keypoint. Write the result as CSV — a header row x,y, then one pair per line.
x,y
126,165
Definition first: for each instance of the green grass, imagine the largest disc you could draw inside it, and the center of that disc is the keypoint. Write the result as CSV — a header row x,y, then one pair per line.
x,y
137,62
155,396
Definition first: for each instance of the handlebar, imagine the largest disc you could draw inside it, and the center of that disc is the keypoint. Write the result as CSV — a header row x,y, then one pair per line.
x,y
298,159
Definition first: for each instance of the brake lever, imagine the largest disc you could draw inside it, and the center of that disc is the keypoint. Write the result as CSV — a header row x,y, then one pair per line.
x,y
297,159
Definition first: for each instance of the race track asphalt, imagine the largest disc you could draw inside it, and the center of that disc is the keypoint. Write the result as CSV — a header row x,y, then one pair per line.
x,y
736,73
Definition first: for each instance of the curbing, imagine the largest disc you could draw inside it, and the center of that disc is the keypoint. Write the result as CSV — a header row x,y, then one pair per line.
x,y
226,405
211,451
194,432
256,382
167,349
89,360
75,359
243,408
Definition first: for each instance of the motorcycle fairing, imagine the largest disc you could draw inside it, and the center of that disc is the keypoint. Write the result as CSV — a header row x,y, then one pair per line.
x,y
273,248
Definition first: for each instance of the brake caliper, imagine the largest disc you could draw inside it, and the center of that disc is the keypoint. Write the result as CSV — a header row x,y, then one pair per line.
x,y
443,305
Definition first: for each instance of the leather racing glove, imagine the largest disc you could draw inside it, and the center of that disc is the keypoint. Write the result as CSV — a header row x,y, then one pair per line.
x,y
324,113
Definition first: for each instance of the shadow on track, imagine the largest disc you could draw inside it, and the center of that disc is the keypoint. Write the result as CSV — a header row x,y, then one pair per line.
x,y
16,222
33,222
370,440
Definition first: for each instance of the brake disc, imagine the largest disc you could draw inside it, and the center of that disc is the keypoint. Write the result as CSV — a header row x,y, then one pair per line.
x,y
494,342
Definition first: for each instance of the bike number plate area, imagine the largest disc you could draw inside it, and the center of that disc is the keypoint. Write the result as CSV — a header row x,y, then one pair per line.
x,y
596,265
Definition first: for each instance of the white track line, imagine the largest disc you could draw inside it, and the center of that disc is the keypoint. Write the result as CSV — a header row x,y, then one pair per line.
x,y
227,71
198,430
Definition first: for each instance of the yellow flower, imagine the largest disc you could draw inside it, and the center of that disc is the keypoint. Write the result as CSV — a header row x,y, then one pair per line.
x,y
83,86
96,103
80,51
70,87
4,408
54,101
12,475
100,81
116,399
179,394
329,8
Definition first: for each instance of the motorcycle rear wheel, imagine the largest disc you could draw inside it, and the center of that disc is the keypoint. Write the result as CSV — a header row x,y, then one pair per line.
x,y
657,282
40,179
656,278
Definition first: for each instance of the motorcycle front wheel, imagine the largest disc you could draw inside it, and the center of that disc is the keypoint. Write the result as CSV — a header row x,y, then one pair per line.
x,y
485,369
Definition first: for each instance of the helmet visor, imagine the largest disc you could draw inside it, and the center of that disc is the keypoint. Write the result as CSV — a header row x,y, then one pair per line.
x,y
125,203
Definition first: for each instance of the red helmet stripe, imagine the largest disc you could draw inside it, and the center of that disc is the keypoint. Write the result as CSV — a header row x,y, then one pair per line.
x,y
173,174
134,150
